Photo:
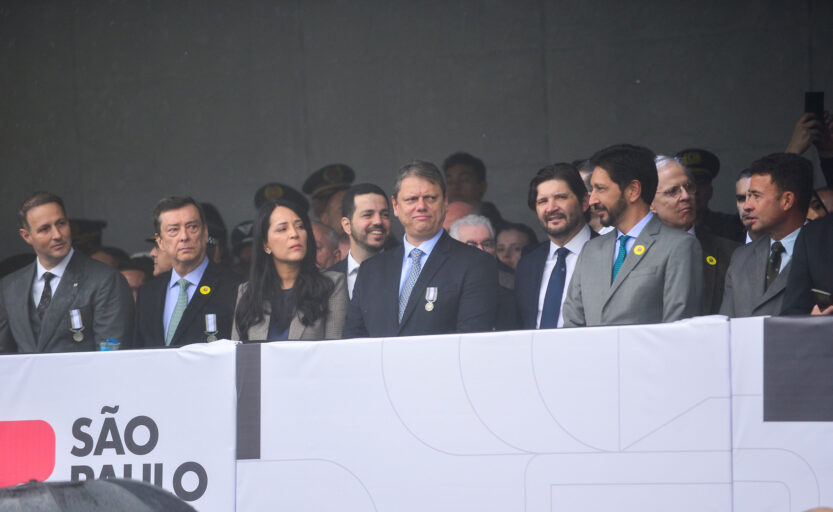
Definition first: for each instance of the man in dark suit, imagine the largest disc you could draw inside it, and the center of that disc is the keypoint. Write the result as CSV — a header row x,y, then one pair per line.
x,y
674,205
812,267
776,205
432,284
63,301
559,198
194,302
366,221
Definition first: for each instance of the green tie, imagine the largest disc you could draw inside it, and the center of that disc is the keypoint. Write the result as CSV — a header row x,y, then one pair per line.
x,y
620,258
181,304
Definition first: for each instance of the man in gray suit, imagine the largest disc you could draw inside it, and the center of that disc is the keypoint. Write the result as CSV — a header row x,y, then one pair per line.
x,y
63,301
643,271
776,205
674,205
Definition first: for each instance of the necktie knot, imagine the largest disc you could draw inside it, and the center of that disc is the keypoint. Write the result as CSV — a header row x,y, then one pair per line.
x,y
777,248
773,268
47,277
562,252
415,254
183,284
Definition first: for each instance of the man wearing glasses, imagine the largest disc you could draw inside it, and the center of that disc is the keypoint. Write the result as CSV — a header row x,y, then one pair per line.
x,y
674,204
477,231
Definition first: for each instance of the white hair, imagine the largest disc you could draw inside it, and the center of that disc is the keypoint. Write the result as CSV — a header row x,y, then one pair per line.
x,y
663,160
470,220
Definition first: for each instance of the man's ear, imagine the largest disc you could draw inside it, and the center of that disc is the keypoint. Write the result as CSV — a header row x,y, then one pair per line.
x,y
345,225
787,200
633,191
24,234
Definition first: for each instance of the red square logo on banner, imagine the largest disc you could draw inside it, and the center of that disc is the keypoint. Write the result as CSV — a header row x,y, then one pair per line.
x,y
27,451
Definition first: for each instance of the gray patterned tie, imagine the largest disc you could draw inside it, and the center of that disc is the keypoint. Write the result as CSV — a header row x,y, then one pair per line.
x,y
409,284
181,304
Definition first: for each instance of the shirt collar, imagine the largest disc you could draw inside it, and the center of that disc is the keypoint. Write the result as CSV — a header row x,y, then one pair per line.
x,y
637,229
352,265
59,269
194,277
788,242
575,244
426,247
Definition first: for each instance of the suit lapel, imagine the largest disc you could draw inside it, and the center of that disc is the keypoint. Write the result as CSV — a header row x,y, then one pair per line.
x,y
390,293
645,240
58,311
434,262
22,287
757,272
296,328
539,261
777,286
197,302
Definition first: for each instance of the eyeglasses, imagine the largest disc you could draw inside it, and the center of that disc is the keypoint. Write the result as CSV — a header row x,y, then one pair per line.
x,y
676,192
485,245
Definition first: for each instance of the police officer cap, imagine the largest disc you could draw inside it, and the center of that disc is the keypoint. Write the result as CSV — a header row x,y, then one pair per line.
x,y
241,235
275,191
328,180
700,160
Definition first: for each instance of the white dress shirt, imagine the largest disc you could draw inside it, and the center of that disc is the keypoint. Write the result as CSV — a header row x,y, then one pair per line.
x,y
352,273
194,277
574,246
58,271
426,247
789,244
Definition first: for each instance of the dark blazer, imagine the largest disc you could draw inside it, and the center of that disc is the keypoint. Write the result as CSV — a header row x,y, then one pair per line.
x,y
467,291
98,291
744,293
341,266
812,266
220,300
528,277
717,253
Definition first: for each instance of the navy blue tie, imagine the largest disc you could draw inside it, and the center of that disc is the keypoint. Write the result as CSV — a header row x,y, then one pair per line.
x,y
555,289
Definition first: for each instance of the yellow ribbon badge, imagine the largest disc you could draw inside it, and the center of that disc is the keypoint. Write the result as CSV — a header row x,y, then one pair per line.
x,y
205,290
639,249
711,260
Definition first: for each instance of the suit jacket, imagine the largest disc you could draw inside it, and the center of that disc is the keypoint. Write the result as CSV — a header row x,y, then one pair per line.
x,y
662,284
717,253
219,300
328,327
743,293
812,266
341,266
528,278
98,291
507,310
467,291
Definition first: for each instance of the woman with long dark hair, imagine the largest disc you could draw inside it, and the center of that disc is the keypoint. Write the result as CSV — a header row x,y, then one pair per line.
x,y
287,297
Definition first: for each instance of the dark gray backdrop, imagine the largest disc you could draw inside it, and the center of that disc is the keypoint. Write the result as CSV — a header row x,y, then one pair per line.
x,y
115,104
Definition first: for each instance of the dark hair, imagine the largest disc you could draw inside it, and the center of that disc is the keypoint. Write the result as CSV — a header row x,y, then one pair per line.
x,y
523,228
420,169
626,163
746,173
348,202
311,291
173,203
119,255
561,171
471,161
789,172
39,198
141,263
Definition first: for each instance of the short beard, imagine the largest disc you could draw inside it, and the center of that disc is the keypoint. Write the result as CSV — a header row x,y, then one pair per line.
x,y
569,226
613,215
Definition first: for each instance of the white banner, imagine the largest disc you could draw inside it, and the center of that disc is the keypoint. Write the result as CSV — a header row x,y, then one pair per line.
x,y
629,418
164,416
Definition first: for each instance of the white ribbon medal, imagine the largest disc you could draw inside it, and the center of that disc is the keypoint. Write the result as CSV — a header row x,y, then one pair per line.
x,y
76,325
430,297
211,327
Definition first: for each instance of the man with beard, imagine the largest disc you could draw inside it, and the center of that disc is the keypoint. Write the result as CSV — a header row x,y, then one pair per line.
x,y
674,205
366,221
642,272
559,198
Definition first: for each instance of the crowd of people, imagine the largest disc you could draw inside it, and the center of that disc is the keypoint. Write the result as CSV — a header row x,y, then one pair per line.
x,y
628,238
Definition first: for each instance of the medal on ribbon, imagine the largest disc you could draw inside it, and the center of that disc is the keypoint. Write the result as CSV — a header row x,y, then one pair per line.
x,y
211,327
430,297
76,325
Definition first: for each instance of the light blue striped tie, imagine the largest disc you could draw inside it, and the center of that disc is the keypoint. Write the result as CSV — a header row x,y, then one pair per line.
x,y
181,304
409,284
620,258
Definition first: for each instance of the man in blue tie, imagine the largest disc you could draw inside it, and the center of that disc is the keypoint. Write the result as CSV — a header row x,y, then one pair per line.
x,y
643,271
559,198
432,284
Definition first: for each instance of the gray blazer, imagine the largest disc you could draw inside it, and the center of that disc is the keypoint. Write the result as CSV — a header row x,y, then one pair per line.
x,y
328,327
662,284
99,292
744,294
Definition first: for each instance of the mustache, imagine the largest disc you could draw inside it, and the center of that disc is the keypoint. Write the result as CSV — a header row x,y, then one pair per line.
x,y
555,215
380,227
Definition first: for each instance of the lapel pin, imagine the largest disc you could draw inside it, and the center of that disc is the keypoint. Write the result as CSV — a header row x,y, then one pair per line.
x,y
205,290
711,260
639,249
